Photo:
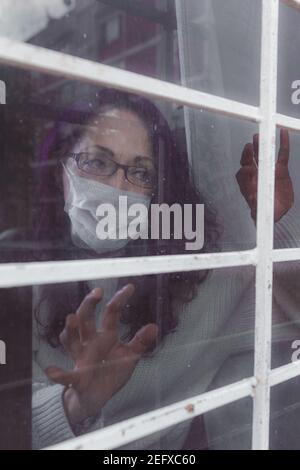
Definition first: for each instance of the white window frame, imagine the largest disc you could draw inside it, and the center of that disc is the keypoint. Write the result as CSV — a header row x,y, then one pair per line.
x,y
262,257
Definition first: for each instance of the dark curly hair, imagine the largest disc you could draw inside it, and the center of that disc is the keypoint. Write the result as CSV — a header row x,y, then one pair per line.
x,y
152,300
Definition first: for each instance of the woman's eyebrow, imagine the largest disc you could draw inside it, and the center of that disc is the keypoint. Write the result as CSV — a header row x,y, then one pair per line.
x,y
104,149
140,158
137,158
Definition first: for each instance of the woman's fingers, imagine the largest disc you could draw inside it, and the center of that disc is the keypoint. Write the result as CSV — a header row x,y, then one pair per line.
x,y
247,174
113,308
69,337
252,150
87,315
247,155
247,180
62,377
144,339
284,150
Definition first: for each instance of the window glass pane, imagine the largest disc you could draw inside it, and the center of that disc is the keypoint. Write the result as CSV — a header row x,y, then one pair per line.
x,y
81,135
287,195
285,412
286,321
288,64
220,47
172,337
287,231
230,427
210,45
139,36
284,427
15,367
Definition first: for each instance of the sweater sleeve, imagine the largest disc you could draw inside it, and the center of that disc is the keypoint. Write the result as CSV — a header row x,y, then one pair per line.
x,y
50,424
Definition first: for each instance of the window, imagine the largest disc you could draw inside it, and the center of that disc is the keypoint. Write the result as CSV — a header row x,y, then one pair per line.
x,y
238,378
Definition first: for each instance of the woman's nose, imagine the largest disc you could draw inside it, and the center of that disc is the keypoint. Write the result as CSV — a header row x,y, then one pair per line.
x,y
118,180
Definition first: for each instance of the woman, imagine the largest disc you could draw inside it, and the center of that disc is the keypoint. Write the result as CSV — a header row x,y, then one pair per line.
x,y
118,348
122,130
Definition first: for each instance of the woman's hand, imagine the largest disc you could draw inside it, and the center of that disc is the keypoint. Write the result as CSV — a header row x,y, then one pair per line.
x,y
247,177
102,363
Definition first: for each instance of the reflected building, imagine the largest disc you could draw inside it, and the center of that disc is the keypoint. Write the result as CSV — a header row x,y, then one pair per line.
x,y
138,36
134,35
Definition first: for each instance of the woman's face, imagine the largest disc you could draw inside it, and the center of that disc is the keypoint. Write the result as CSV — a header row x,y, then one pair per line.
x,y
120,136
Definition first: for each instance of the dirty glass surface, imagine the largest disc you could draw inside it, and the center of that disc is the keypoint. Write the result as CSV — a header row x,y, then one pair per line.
x,y
66,149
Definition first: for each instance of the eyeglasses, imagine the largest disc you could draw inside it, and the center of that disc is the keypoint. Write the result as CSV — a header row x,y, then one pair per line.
x,y
95,164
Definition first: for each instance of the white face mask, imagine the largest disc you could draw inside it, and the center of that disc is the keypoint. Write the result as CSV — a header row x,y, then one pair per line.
x,y
84,197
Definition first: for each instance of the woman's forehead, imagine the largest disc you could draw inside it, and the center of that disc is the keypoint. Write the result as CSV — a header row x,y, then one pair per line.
x,y
118,120
120,129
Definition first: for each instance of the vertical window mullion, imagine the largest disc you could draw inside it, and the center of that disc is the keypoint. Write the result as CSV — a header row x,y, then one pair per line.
x,y
265,224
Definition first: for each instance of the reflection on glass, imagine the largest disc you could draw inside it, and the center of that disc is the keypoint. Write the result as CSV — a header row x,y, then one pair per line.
x,y
210,45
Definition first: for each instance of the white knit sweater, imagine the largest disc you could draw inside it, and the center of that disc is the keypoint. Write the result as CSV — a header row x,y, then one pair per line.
x,y
216,325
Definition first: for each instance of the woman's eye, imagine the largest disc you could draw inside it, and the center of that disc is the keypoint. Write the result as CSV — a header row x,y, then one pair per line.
x,y
142,174
98,163
95,164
